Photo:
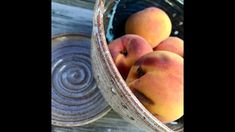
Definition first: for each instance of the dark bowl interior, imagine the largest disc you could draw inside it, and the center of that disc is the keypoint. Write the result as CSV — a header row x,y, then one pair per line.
x,y
115,26
118,12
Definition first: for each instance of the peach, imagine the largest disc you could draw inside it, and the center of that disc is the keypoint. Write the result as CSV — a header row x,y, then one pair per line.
x,y
152,23
172,44
156,79
126,50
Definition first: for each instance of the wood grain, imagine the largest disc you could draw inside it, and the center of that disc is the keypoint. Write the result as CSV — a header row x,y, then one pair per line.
x,y
68,19
88,4
109,123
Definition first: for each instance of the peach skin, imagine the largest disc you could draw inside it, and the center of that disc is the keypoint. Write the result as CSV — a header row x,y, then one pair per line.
x,y
152,23
156,79
126,50
172,44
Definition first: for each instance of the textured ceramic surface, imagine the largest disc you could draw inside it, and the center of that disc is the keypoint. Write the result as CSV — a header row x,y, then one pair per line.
x,y
108,23
76,99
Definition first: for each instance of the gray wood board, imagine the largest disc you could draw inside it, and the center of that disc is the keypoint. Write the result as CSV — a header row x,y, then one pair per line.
x,y
68,19
89,4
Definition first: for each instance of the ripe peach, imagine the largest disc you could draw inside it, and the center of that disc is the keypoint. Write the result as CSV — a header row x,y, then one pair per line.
x,y
152,23
172,44
157,81
126,50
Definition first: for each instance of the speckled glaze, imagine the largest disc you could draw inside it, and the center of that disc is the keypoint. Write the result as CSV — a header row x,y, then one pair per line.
x,y
112,85
76,99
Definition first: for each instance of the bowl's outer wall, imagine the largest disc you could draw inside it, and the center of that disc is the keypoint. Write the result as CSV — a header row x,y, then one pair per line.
x,y
113,87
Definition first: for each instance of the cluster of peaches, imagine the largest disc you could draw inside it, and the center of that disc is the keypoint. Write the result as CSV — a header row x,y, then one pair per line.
x,y
151,62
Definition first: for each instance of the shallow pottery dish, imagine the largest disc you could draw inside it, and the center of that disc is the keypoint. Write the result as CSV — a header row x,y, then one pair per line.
x,y
76,99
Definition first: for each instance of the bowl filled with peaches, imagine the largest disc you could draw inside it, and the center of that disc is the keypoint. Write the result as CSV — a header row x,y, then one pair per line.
x,y
138,60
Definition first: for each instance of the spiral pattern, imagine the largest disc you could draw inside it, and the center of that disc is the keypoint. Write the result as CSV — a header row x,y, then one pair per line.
x,y
76,99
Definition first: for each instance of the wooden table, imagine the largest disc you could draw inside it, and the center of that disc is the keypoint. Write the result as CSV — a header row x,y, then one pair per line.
x,y
75,16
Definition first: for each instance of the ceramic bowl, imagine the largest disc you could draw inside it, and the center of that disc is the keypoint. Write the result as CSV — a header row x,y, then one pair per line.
x,y
108,23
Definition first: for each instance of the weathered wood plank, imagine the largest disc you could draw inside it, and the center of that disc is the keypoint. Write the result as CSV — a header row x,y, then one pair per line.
x,y
68,19
89,4
109,123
